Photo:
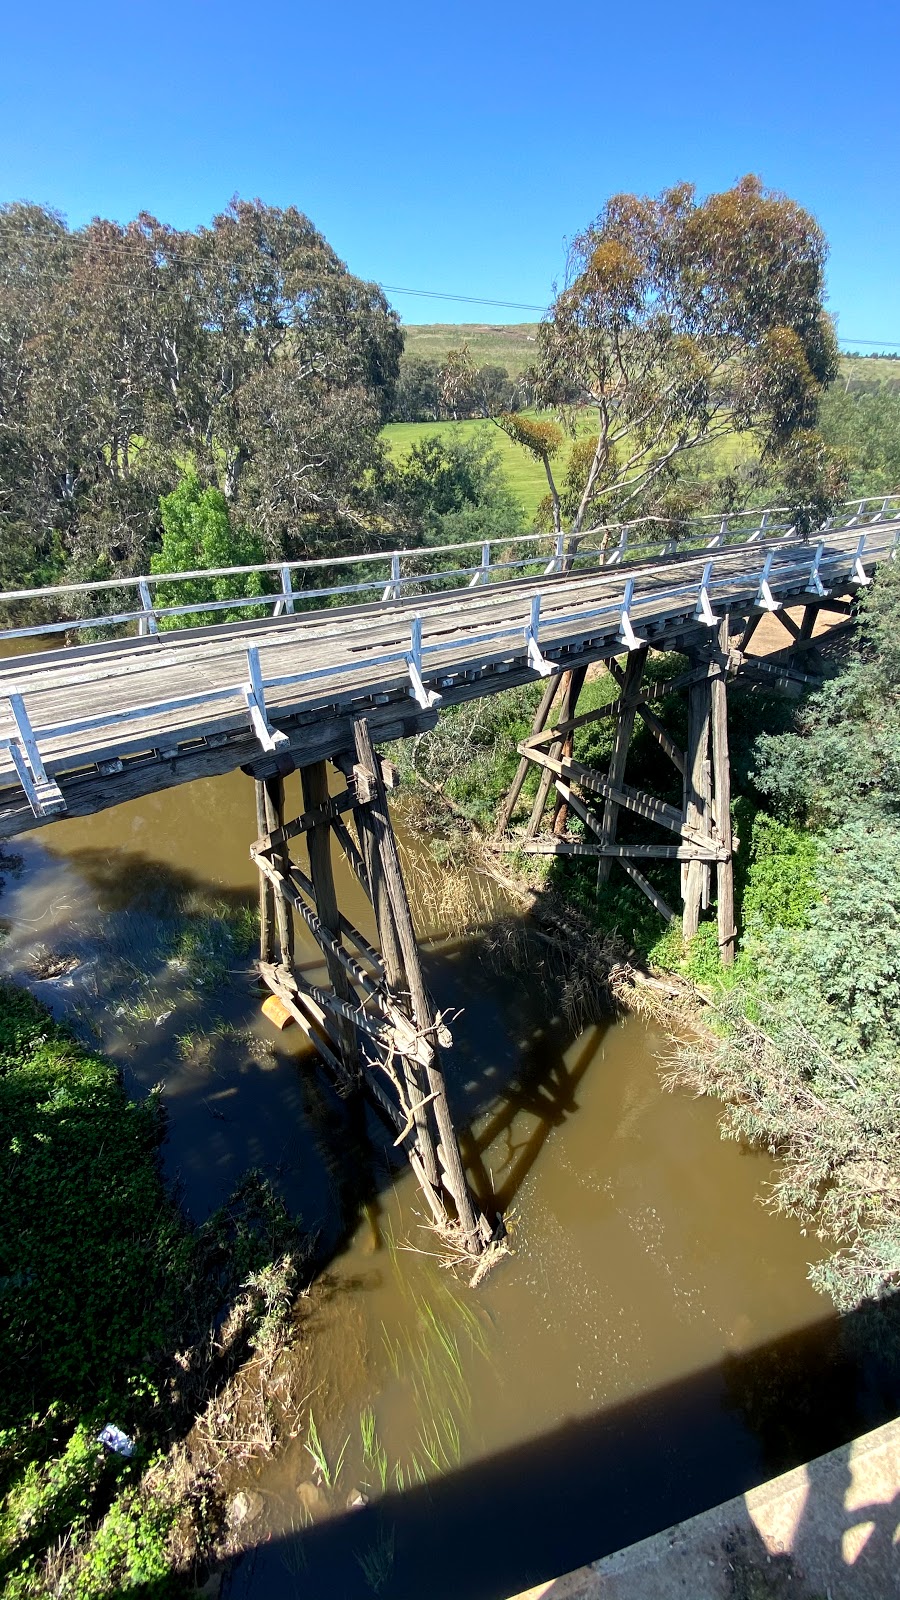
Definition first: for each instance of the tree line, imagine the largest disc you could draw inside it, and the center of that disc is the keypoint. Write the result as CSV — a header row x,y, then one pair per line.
x,y
243,370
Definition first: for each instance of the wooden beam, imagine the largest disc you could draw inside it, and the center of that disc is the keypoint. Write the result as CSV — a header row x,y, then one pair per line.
x,y
273,789
573,682
631,682
560,816
694,880
266,892
551,689
475,1231
617,852
722,782
314,780
655,898
643,805
656,691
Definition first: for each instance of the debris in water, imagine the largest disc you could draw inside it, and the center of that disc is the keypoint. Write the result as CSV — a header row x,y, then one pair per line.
x,y
277,1012
115,1439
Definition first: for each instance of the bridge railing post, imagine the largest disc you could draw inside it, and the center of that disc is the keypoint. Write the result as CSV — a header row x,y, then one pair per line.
x,y
148,623
482,573
627,634
535,659
285,602
426,698
394,586
704,610
858,570
764,595
814,583
556,562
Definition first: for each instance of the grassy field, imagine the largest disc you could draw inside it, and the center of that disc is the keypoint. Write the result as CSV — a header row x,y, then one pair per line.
x,y
513,346
524,475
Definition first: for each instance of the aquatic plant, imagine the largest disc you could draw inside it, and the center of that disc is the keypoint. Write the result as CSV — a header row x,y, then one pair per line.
x,y
316,1449
378,1561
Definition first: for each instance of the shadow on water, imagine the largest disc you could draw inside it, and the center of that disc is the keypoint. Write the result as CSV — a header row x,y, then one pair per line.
x,y
596,1484
239,1096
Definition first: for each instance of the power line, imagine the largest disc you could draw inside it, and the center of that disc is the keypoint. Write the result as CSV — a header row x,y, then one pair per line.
x,y
467,299
878,344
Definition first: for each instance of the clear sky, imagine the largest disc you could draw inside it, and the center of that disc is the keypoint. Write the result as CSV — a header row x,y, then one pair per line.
x,y
456,147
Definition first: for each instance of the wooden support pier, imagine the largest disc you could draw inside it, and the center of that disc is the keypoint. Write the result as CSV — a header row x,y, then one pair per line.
x,y
599,801
374,1027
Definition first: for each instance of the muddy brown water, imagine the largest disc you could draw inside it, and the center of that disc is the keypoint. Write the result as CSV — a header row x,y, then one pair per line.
x,y
652,1346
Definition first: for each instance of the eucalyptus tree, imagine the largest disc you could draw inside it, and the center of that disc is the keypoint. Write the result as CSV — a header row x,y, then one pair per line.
x,y
681,322
244,352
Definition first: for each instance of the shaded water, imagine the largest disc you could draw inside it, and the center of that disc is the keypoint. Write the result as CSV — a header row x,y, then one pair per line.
x,y
651,1347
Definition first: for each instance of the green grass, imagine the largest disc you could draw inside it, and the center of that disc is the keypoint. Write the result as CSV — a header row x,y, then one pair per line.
x,y
525,476
511,345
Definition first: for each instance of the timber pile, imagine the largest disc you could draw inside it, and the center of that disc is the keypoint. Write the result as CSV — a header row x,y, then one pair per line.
x,y
700,833
375,1028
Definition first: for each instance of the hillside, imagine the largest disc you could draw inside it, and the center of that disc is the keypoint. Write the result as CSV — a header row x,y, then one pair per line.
x,y
512,346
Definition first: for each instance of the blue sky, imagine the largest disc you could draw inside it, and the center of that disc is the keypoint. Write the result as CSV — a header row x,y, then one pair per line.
x,y
455,148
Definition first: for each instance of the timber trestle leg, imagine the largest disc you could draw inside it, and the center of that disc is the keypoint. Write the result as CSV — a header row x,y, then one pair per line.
x,y
599,802
374,1026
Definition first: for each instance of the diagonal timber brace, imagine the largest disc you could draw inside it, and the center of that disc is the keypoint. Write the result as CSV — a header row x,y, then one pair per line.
x,y
374,1026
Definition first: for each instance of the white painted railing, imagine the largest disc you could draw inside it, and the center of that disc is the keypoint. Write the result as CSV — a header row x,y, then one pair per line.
x,y
401,571
783,568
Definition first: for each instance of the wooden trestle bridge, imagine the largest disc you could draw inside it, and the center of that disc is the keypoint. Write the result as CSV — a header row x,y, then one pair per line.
x,y
307,680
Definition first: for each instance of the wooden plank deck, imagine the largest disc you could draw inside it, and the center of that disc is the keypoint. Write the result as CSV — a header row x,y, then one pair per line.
x,y
127,717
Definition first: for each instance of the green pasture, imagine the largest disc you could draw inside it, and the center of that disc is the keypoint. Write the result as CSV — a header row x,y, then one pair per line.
x,y
525,476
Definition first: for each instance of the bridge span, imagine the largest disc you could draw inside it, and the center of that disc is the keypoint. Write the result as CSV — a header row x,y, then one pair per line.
x,y
87,726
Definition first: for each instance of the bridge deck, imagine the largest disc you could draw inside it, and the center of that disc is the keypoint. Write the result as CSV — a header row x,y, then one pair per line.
x,y
127,717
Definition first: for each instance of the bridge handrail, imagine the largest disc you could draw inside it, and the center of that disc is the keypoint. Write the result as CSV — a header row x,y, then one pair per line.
x,y
44,796
568,551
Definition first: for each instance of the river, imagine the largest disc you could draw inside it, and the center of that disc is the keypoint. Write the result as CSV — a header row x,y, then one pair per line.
x,y
650,1347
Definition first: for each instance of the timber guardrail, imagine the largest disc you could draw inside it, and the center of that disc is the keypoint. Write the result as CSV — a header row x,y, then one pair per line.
x,y
778,563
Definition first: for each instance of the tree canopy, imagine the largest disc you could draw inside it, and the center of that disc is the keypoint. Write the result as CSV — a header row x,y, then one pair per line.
x,y
680,322
245,351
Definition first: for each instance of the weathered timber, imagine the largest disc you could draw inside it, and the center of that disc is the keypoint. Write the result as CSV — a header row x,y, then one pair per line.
x,y
643,805
648,693
646,888
631,683
634,852
571,689
660,733
266,892
273,789
570,701
551,689
475,1231
314,781
694,881
722,783
413,1077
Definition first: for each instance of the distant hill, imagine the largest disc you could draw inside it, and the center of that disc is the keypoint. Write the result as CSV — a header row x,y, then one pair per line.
x,y
509,345
512,345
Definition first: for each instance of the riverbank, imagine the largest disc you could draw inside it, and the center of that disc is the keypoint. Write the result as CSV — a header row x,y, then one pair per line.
x,y
115,1311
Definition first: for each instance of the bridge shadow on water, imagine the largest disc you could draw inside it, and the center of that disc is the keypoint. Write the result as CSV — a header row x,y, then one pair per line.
x,y
596,1484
